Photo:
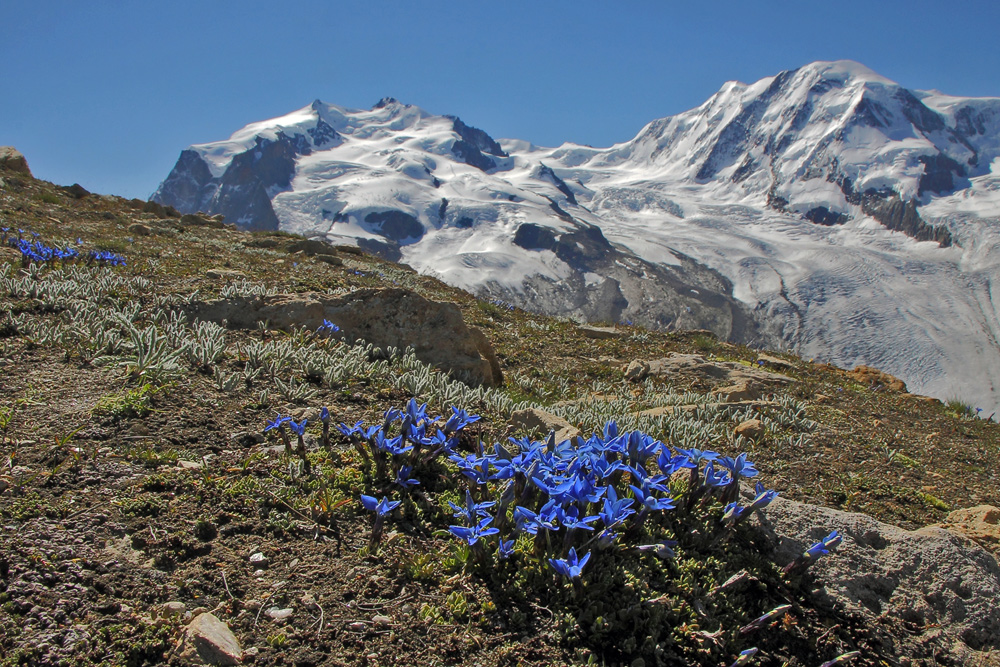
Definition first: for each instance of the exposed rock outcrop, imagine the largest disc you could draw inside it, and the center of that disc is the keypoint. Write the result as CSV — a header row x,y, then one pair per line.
x,y
869,376
697,365
980,523
11,159
385,318
539,423
945,586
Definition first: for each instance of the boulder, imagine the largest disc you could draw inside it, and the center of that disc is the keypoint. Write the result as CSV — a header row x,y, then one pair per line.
x,y
76,191
743,390
695,364
139,229
209,641
601,333
13,160
540,423
773,362
751,429
931,579
980,523
487,352
332,260
868,376
636,371
312,247
349,249
385,318
199,220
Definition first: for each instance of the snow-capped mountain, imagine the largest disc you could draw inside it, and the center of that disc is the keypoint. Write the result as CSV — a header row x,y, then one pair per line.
x,y
827,209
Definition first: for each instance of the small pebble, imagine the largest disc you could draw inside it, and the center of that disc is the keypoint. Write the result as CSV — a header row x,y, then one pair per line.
x,y
381,620
279,614
357,626
259,559
173,608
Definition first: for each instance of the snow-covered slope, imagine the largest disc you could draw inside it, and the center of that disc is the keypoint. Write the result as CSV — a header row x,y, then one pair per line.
x,y
826,208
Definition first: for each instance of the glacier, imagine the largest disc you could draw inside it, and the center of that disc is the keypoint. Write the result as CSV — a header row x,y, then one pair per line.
x,y
826,210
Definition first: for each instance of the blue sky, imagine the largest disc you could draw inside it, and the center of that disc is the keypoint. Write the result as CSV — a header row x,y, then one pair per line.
x,y
107,94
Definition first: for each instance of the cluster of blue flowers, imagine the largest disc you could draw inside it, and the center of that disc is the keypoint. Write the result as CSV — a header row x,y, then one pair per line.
x,y
33,250
570,498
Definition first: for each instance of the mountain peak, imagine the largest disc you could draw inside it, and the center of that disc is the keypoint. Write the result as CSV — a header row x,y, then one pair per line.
x,y
845,71
384,102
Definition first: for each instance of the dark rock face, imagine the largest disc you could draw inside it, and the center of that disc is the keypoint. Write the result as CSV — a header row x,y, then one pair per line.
x,y
476,138
689,296
940,172
396,226
243,193
323,135
189,185
901,216
472,145
547,174
821,215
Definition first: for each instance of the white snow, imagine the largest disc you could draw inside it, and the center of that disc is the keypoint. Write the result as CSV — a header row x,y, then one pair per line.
x,y
849,294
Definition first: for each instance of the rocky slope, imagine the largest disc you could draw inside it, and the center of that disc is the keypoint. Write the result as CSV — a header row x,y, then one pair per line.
x,y
826,209
150,516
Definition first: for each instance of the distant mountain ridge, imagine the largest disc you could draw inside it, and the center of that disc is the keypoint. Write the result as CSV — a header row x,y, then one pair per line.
x,y
766,214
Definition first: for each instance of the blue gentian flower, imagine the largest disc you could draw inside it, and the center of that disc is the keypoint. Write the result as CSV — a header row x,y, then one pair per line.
x,y
473,534
298,429
459,420
472,510
571,566
505,549
739,467
650,503
380,507
403,478
277,423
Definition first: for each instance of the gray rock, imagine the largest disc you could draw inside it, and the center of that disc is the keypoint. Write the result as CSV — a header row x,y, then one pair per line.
x,y
540,423
171,609
637,371
774,362
744,390
695,364
601,333
259,559
12,159
139,229
385,318
929,577
332,260
312,247
228,274
209,641
278,614
196,220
